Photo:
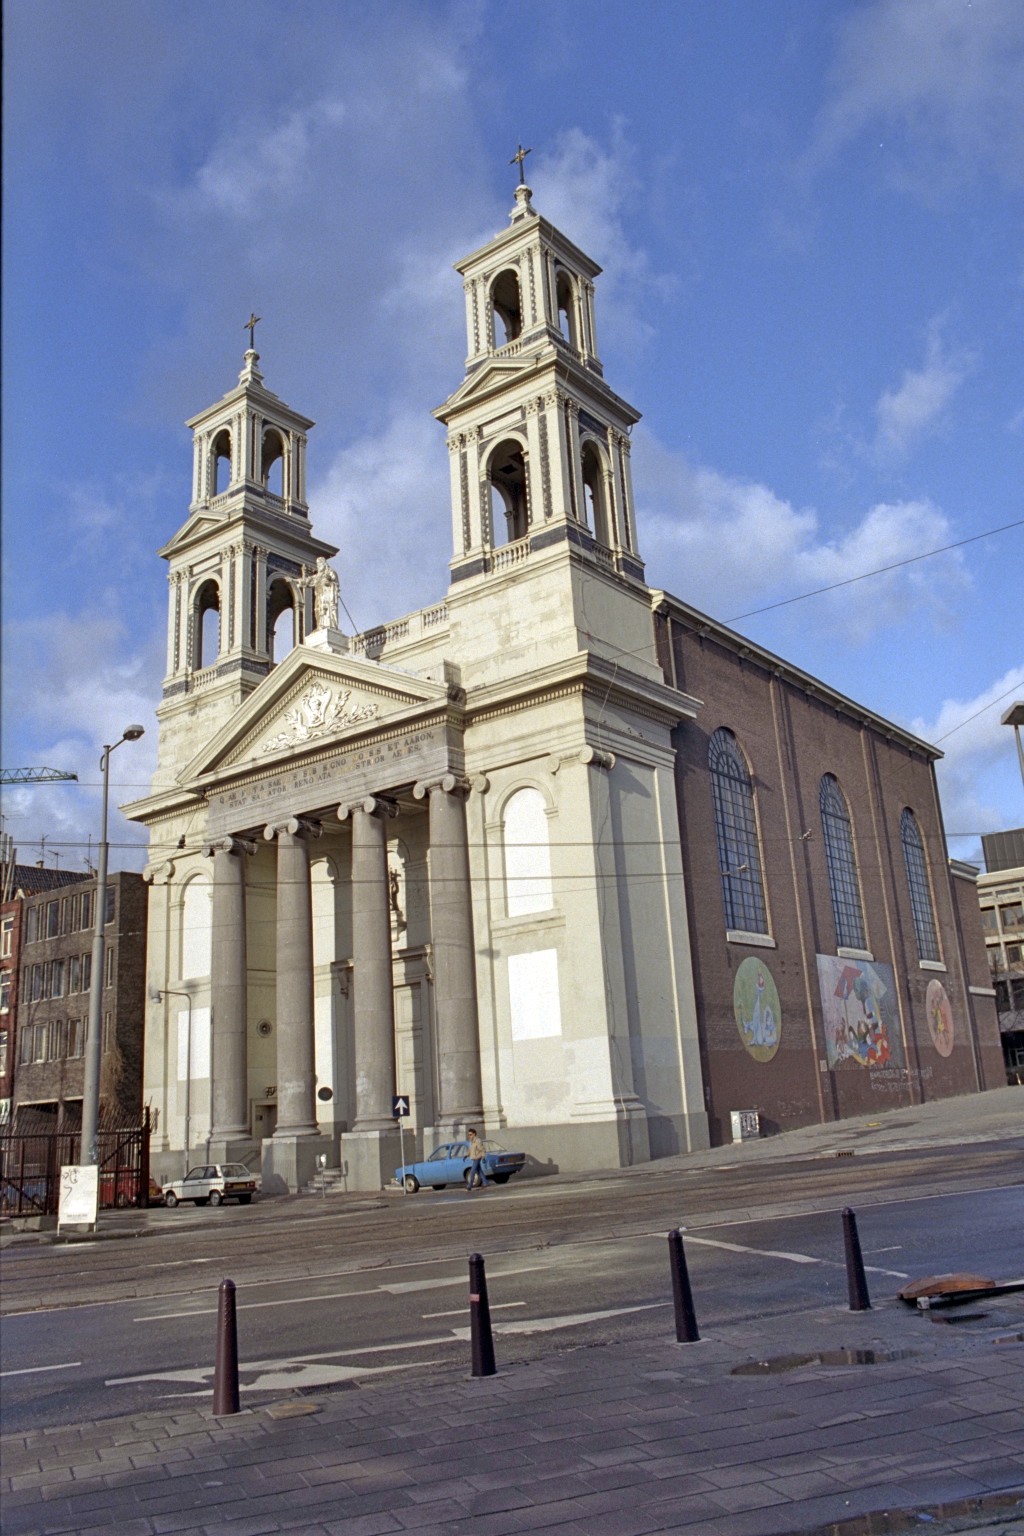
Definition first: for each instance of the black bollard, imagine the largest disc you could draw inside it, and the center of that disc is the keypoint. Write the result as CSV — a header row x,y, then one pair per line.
x,y
856,1281
480,1319
682,1298
225,1376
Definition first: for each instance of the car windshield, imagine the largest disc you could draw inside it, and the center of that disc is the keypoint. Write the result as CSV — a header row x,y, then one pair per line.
x,y
494,1146
196,1173
234,1170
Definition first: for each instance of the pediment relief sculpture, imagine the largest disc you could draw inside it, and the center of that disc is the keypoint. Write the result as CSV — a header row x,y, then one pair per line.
x,y
320,709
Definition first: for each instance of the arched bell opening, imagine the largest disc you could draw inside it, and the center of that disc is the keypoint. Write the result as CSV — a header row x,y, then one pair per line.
x,y
510,506
507,304
595,494
567,305
220,462
272,460
206,613
281,619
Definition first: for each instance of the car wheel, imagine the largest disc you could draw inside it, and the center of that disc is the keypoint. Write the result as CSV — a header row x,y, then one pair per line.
x,y
500,1178
122,1200
216,1198
466,1178
244,1199
411,1183
170,1199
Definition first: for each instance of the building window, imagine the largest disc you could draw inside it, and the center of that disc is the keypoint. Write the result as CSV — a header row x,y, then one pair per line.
x,y
57,979
74,974
76,1038
841,861
52,919
108,967
6,937
1013,954
31,925
58,1039
3,1053
35,987
41,1032
5,991
86,972
108,1032
920,889
739,855
108,912
1012,916
25,1047
85,917
988,920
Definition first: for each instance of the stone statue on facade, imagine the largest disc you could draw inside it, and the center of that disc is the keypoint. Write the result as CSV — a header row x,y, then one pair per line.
x,y
326,594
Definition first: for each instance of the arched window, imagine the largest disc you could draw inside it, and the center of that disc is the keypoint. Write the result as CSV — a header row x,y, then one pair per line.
x,y
196,929
527,854
595,494
920,886
566,305
273,462
510,514
508,307
739,855
281,625
207,625
220,477
841,860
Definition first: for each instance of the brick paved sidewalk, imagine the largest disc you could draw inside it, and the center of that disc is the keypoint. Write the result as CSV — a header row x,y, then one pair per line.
x,y
614,1440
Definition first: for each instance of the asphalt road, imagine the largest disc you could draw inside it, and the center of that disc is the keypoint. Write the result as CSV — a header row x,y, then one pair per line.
x,y
336,1293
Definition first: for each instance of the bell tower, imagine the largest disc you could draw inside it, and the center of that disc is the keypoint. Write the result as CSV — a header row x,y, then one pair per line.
x,y
539,449
238,567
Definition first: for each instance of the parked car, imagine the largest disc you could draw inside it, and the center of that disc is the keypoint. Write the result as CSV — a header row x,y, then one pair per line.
x,y
212,1184
449,1164
122,1189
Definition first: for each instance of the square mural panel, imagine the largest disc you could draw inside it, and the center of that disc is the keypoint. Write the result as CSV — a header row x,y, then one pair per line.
x,y
858,1001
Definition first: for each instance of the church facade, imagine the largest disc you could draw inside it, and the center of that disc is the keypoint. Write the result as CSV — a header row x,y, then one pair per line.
x,y
557,856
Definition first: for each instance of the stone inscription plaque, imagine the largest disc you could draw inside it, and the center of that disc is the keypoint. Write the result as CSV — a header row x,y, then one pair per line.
x,y
370,768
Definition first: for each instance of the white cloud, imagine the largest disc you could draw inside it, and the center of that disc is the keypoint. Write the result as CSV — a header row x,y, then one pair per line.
x,y
251,164
731,545
916,404
936,84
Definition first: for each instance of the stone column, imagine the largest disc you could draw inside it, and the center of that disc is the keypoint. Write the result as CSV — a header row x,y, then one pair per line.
x,y
372,977
296,1103
460,1095
229,1108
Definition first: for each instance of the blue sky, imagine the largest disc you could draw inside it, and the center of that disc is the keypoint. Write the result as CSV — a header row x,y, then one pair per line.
x,y
810,218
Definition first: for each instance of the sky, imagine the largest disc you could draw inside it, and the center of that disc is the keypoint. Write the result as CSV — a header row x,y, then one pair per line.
x,y
811,224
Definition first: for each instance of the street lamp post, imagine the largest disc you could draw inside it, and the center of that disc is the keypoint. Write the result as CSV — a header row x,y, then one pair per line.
x,y
94,1037
158,994
1015,716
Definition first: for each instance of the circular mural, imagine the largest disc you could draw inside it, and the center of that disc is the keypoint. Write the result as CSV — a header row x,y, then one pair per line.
x,y
755,1001
940,1018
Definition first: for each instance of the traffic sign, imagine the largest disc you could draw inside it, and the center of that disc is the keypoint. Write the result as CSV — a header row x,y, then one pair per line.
x,y
401,1104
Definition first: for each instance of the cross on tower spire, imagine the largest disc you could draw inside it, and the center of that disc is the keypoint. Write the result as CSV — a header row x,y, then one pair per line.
x,y
517,159
250,326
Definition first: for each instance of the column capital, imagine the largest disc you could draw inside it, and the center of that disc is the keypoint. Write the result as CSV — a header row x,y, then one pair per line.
x,y
295,826
373,805
449,782
229,845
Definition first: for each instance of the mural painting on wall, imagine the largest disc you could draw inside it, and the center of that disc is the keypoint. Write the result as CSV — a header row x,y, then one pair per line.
x,y
940,1018
755,1001
858,1000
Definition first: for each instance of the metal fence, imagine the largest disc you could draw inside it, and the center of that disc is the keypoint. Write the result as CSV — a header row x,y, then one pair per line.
x,y
30,1165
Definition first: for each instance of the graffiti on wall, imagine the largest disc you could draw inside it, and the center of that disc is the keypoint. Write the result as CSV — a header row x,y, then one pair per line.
x,y
940,1018
755,1001
858,1001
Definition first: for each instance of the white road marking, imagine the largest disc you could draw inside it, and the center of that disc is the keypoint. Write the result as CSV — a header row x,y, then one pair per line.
x,y
569,1320
32,1370
395,1288
792,1258
501,1306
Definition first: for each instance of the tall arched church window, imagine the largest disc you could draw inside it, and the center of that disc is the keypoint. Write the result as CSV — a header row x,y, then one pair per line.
x,y
566,305
739,854
507,303
595,494
841,860
273,462
920,886
196,930
527,854
220,466
207,625
510,515
281,626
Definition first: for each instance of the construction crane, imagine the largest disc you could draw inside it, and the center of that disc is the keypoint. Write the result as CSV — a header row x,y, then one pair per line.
x,y
34,775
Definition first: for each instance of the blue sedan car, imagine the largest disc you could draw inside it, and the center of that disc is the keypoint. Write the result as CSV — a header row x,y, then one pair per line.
x,y
450,1164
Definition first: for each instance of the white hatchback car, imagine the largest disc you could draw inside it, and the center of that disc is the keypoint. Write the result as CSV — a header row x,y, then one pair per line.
x,y
212,1184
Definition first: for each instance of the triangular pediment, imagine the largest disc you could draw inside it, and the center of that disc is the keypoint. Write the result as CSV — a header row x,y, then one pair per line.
x,y
496,375
313,699
194,530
